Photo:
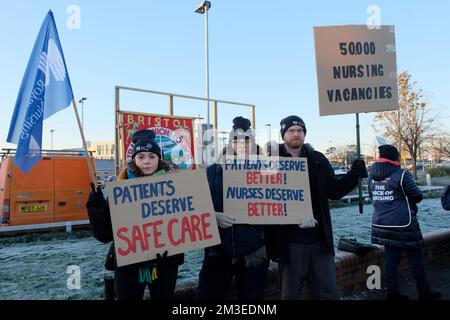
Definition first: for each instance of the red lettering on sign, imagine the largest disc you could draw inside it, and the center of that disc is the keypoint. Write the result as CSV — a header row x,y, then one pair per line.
x,y
205,225
260,209
170,232
195,220
186,229
256,177
137,236
157,234
121,251
147,237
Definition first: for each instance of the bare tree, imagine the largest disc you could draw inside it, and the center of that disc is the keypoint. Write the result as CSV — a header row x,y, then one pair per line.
x,y
412,125
343,154
331,153
439,146
372,150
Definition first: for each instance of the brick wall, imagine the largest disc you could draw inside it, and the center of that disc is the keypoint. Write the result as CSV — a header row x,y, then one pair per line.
x,y
351,270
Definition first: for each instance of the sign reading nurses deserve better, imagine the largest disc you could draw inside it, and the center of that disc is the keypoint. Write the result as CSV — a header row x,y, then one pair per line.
x,y
356,69
267,190
172,212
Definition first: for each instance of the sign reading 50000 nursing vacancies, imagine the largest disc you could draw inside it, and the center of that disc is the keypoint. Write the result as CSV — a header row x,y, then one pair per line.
x,y
173,134
356,69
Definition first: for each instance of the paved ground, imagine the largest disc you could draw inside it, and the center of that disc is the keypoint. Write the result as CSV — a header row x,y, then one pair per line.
x,y
438,277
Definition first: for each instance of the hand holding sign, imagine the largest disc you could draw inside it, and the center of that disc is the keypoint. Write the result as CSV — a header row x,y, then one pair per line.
x,y
308,223
161,259
224,220
98,214
359,168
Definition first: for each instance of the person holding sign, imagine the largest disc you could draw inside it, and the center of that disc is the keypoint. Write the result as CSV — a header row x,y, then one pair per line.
x,y
394,222
242,253
306,251
445,199
159,274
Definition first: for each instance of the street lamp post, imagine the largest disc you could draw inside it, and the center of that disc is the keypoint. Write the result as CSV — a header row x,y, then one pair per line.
x,y
51,133
269,126
203,8
82,111
223,138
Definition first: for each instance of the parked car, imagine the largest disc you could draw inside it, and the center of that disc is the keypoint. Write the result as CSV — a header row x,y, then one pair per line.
x,y
443,164
340,170
419,165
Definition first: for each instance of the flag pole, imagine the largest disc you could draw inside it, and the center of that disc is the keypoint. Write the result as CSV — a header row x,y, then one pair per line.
x,y
91,171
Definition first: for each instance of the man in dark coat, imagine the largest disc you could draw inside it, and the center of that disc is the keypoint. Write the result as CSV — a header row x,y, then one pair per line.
x,y
394,222
305,252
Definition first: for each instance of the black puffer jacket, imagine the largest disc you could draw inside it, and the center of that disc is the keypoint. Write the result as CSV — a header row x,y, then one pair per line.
x,y
238,240
395,197
324,186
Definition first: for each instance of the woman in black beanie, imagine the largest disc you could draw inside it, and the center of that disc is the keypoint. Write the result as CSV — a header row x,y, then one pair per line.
x,y
159,274
394,222
242,253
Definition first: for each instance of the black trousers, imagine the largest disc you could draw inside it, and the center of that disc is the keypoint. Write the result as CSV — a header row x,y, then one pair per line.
x,y
128,287
310,263
416,261
217,273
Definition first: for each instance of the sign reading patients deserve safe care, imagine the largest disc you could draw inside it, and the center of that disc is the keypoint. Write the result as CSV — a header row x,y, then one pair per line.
x,y
170,212
356,69
267,190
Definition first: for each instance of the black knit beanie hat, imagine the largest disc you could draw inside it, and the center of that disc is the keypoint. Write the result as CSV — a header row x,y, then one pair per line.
x,y
241,128
290,121
144,141
389,151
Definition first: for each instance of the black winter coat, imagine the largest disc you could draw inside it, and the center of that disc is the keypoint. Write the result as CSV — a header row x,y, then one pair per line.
x,y
239,239
394,221
324,185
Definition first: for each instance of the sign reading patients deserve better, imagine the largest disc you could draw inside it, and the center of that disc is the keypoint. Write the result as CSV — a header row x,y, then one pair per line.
x,y
267,190
356,69
170,212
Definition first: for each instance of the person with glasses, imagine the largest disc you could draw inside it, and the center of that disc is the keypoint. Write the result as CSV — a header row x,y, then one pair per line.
x,y
305,252
242,253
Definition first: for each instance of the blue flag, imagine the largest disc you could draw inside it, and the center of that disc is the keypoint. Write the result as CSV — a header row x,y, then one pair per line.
x,y
45,90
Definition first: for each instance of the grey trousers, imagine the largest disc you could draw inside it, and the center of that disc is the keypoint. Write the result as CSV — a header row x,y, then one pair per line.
x,y
313,263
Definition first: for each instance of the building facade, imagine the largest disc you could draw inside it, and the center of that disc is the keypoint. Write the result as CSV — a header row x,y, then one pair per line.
x,y
102,149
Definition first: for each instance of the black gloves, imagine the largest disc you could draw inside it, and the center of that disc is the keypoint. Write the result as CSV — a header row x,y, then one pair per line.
x,y
359,168
99,216
96,198
161,260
